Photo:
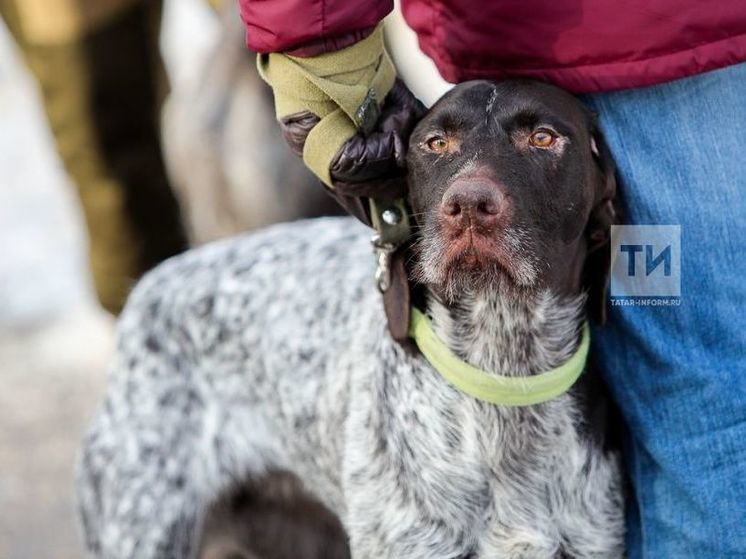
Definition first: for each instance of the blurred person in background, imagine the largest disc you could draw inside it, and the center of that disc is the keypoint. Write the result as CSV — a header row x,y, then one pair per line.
x,y
667,80
229,166
102,83
54,344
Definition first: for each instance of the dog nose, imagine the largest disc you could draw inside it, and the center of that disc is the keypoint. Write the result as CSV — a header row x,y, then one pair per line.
x,y
471,201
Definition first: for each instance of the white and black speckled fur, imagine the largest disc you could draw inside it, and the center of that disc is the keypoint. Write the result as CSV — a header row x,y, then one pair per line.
x,y
271,352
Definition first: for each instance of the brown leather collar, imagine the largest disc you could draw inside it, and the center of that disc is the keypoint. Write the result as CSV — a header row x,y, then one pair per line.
x,y
397,299
397,291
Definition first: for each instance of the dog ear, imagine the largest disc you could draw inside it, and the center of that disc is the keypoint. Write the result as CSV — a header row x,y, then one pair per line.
x,y
605,213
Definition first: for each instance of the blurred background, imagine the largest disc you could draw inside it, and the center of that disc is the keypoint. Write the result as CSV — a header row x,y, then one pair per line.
x,y
81,112
129,131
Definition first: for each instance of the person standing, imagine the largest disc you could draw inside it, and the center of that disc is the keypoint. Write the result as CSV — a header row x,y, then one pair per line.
x,y
102,83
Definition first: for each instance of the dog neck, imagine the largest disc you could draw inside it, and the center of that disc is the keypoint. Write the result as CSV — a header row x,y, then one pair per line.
x,y
510,336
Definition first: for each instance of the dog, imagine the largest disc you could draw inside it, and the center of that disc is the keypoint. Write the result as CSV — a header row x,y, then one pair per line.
x,y
268,355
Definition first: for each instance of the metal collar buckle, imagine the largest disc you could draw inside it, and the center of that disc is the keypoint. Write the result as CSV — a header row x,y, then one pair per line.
x,y
383,252
391,222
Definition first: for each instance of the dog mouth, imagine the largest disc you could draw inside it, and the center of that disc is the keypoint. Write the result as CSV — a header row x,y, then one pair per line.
x,y
475,259
476,253
474,250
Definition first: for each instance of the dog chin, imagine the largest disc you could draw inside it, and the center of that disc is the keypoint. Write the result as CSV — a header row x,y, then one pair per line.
x,y
456,265
473,273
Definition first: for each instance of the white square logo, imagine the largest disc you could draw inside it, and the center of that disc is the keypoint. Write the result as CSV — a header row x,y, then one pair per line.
x,y
645,261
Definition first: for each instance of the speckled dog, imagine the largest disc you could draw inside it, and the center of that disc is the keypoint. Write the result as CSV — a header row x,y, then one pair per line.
x,y
270,353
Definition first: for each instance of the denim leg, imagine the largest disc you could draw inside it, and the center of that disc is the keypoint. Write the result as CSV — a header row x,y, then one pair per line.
x,y
679,373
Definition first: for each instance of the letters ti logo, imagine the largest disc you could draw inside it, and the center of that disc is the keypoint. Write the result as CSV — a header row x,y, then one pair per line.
x,y
645,261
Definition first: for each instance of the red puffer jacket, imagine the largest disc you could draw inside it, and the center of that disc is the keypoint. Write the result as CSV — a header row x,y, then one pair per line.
x,y
581,45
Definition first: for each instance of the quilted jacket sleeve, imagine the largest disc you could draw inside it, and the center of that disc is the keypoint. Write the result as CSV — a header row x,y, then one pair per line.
x,y
309,27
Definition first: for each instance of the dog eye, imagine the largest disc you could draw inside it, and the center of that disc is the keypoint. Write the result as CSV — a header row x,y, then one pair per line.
x,y
542,138
437,144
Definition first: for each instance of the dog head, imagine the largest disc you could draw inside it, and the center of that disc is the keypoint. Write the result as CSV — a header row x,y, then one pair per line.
x,y
512,187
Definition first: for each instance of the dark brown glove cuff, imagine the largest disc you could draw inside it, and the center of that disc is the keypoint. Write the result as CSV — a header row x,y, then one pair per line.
x,y
375,165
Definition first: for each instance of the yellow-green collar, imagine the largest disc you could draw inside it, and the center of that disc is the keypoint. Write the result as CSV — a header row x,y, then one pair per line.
x,y
502,390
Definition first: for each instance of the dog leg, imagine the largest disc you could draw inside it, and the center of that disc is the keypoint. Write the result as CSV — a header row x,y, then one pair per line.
x,y
590,511
519,523
520,544
163,444
134,493
388,518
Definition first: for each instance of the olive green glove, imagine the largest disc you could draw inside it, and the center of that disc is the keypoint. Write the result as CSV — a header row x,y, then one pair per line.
x,y
346,114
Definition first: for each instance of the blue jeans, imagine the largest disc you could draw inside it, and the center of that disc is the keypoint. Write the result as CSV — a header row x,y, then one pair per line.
x,y
679,373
